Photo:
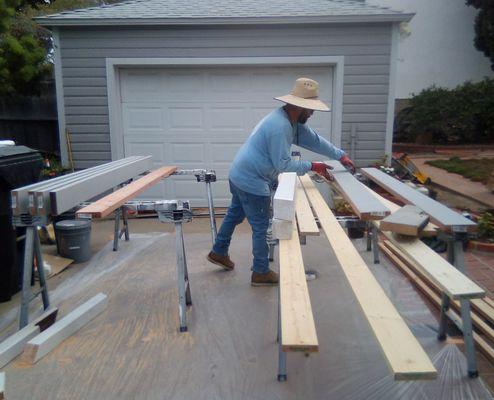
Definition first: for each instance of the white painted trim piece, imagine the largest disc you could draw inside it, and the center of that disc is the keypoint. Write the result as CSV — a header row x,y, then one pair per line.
x,y
284,198
2,385
57,59
282,229
14,344
388,142
47,340
113,66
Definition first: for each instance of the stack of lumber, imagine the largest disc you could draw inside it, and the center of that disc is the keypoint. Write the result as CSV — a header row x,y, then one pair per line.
x,y
482,309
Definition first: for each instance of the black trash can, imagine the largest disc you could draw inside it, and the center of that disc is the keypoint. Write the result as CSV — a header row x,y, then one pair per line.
x,y
74,239
19,166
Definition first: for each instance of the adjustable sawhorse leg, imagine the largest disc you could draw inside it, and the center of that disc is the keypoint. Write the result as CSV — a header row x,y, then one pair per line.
x,y
182,277
120,212
372,240
281,353
32,249
456,258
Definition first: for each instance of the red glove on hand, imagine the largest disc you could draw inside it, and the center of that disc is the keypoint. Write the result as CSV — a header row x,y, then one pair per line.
x,y
347,163
321,168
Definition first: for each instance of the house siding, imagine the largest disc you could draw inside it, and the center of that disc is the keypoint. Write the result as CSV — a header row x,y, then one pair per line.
x,y
366,49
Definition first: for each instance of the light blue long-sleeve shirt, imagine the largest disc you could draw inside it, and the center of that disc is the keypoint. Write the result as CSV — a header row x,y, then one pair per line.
x,y
266,153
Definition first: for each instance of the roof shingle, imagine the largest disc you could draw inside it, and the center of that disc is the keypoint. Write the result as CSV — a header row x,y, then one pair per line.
x,y
225,11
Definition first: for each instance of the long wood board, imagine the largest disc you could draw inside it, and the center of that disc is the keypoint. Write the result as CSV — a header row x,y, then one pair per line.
x,y
110,203
298,331
408,220
405,356
363,204
46,341
486,349
436,268
439,213
305,218
476,320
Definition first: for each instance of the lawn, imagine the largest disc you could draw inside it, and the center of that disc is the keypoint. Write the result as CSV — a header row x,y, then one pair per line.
x,y
478,170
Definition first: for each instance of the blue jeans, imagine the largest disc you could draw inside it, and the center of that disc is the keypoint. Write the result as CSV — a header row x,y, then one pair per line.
x,y
257,210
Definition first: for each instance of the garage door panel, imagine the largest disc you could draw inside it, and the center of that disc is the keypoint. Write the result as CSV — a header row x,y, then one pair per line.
x,y
141,85
183,153
198,117
143,117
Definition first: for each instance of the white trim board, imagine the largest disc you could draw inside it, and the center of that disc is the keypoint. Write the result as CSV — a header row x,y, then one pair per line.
x,y
388,141
57,60
113,66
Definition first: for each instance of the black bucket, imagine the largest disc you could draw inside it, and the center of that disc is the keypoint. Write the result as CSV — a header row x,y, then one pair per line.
x,y
74,239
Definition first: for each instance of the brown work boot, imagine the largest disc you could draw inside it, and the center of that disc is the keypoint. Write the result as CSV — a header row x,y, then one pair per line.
x,y
270,278
223,261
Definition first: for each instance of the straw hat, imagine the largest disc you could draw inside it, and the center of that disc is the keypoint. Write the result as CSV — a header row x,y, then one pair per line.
x,y
305,94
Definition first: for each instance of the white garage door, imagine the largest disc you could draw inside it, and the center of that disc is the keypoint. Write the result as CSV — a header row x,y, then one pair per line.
x,y
199,118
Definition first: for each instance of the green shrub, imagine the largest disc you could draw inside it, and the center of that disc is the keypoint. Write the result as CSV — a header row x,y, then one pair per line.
x,y
461,115
486,226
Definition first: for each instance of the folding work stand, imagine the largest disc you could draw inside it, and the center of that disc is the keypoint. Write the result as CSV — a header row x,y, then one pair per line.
x,y
455,241
32,250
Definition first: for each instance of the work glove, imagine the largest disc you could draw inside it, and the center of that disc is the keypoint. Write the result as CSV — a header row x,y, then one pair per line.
x,y
321,168
347,163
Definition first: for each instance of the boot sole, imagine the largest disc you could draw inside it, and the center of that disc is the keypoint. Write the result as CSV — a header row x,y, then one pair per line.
x,y
264,284
226,268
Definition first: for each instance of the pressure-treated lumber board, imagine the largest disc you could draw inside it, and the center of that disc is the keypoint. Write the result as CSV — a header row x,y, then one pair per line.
x,y
439,213
408,220
483,346
12,346
406,358
455,284
284,197
110,203
429,230
66,197
363,204
476,320
307,225
46,341
298,331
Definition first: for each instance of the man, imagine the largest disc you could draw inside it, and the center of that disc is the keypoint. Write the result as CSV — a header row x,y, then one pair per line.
x,y
255,169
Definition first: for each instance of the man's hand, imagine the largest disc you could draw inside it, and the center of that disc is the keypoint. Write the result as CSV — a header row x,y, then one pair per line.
x,y
347,163
321,168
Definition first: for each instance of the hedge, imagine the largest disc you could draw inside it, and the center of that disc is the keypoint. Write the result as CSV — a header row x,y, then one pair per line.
x,y
464,114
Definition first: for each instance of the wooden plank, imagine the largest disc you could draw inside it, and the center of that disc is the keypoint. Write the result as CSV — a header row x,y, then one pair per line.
x,y
284,198
305,218
12,346
363,204
439,213
429,230
46,341
455,284
403,352
298,331
476,320
408,220
110,203
436,300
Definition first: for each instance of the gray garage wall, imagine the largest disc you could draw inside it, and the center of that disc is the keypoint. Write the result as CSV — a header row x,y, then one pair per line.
x,y
366,49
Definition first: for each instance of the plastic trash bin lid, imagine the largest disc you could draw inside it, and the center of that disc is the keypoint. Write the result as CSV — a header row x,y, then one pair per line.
x,y
72,224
